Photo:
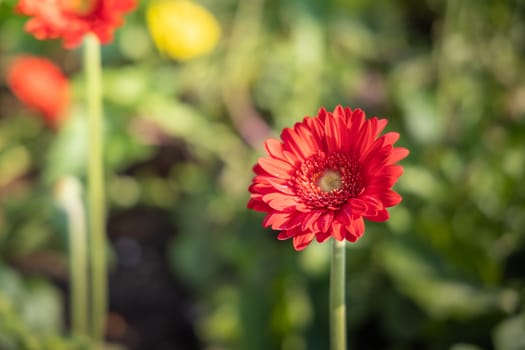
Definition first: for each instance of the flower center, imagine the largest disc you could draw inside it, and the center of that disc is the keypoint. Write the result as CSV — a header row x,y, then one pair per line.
x,y
328,180
79,7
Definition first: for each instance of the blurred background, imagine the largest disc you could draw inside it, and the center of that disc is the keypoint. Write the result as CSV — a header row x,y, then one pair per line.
x,y
190,267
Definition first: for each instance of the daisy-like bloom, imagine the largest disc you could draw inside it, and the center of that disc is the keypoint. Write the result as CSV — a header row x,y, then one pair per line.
x,y
41,85
72,19
326,175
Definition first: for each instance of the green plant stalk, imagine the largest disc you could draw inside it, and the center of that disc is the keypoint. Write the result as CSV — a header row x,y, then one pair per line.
x,y
337,296
79,276
74,209
96,198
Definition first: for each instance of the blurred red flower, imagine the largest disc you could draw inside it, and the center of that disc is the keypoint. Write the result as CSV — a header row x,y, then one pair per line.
x,y
325,175
41,85
72,19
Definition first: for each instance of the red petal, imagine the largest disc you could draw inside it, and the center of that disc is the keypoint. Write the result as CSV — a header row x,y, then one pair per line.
x,y
380,216
390,138
325,221
364,139
321,237
260,188
310,219
370,152
355,119
398,153
338,231
276,167
356,230
297,143
279,201
258,170
282,187
339,112
309,140
384,180
390,198
257,205
372,202
274,148
358,206
333,132
322,115
394,170
281,221
301,241
285,235
317,129
376,161
344,215
378,126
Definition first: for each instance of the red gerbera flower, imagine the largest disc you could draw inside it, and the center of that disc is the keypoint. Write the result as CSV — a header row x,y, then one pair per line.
x,y
72,19
326,175
41,85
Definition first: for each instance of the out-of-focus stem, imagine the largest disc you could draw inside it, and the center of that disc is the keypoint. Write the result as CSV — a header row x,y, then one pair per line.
x,y
337,296
69,197
96,198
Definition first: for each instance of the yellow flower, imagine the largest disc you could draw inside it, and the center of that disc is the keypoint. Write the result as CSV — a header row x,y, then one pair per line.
x,y
182,29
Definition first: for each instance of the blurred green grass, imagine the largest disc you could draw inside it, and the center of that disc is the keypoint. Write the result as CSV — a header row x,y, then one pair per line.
x,y
446,272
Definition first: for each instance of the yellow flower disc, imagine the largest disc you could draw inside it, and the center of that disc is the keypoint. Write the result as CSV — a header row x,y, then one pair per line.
x,y
182,29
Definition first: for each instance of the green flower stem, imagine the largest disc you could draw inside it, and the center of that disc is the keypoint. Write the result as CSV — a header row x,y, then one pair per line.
x,y
96,200
337,296
71,202
79,301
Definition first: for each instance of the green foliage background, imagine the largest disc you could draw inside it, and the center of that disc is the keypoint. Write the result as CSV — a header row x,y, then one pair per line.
x,y
446,272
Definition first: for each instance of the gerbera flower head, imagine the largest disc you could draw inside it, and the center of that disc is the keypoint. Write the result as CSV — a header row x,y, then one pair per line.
x,y
70,20
41,85
326,175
